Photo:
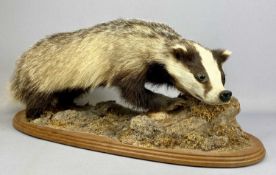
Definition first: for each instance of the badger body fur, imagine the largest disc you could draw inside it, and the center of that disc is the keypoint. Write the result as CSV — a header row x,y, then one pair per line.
x,y
122,53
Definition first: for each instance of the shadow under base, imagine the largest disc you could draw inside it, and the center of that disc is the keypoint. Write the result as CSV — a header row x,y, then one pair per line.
x,y
197,135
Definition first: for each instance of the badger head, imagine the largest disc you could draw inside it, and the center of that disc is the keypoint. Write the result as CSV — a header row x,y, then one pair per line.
x,y
198,71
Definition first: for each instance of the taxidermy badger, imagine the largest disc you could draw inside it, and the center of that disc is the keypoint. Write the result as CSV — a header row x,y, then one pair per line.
x,y
122,53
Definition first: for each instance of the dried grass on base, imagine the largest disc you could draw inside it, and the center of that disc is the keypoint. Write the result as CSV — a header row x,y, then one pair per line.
x,y
197,126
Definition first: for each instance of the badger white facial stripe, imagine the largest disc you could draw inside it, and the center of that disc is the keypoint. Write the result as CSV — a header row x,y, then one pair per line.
x,y
213,72
184,77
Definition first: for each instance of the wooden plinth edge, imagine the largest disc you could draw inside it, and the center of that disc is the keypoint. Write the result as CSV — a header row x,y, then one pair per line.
x,y
248,156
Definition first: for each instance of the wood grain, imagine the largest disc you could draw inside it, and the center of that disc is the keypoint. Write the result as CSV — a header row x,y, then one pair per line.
x,y
247,156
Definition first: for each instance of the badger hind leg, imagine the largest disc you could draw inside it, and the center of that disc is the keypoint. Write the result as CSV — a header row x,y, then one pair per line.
x,y
37,103
65,98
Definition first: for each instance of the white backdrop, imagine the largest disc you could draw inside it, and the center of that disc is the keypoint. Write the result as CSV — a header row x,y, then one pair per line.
x,y
247,28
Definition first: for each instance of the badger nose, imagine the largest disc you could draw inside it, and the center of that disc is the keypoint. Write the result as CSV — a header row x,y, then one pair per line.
x,y
225,95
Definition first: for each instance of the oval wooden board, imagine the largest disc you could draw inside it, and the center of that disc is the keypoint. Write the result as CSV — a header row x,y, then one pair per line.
x,y
248,156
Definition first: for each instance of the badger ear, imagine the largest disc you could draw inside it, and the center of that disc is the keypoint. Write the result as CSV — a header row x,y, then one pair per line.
x,y
221,54
179,52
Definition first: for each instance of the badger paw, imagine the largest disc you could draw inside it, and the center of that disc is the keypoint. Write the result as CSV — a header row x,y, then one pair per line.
x,y
168,105
175,104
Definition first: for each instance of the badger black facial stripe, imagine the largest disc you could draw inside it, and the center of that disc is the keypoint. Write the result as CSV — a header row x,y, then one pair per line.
x,y
193,61
220,60
207,87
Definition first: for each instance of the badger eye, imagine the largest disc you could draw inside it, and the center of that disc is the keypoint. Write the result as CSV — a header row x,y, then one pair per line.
x,y
201,77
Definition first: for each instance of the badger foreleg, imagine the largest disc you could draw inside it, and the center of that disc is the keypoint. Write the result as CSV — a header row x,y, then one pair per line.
x,y
144,98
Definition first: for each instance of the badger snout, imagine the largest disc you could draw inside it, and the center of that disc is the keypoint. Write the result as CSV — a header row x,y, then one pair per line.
x,y
225,95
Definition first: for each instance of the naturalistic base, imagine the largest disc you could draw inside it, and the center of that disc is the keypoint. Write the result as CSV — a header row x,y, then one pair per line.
x,y
196,135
